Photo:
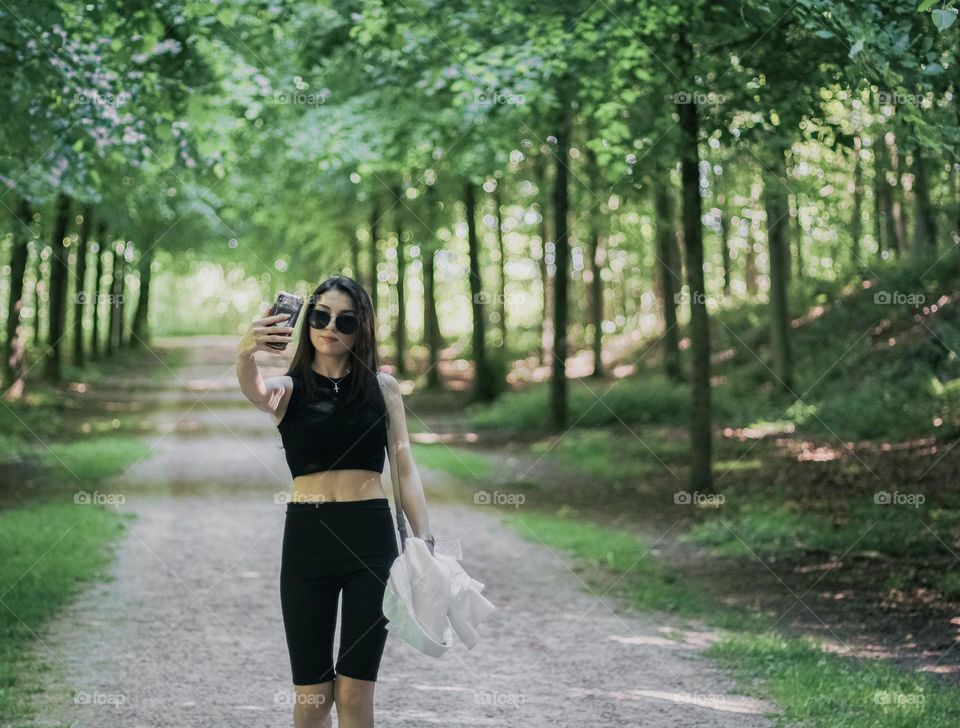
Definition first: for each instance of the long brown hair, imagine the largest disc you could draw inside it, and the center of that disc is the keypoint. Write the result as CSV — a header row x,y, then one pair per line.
x,y
364,361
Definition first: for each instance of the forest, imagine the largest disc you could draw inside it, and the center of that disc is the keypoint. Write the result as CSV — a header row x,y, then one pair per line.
x,y
676,278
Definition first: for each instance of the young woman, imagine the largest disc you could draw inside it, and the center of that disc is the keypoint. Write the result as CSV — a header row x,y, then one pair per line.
x,y
338,534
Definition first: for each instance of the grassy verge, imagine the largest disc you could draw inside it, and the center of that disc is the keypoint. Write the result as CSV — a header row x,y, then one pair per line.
x,y
94,459
62,413
47,551
811,686
53,541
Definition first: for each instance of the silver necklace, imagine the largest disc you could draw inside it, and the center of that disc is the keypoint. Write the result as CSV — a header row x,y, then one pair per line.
x,y
336,382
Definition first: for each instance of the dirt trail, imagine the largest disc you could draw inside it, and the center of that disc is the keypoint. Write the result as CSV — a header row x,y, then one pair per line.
x,y
188,632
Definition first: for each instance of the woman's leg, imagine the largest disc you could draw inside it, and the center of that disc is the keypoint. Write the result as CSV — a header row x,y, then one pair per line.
x,y
309,605
313,705
354,699
363,635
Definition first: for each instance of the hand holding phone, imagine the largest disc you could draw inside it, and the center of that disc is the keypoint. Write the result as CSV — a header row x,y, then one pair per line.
x,y
271,329
291,305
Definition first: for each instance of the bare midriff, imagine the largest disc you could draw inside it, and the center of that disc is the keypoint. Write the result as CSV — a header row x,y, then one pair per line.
x,y
337,485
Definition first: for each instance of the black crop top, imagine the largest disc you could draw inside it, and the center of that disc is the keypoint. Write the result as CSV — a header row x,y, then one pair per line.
x,y
326,434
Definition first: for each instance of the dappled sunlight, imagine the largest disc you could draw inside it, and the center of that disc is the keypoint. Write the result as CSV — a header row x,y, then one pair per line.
x,y
817,453
757,432
720,702
675,639
433,438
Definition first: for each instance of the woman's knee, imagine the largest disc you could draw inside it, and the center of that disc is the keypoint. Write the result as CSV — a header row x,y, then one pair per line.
x,y
352,695
313,704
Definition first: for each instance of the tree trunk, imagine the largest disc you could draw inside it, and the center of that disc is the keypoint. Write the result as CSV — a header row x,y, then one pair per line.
x,y
140,333
926,216
701,476
669,278
885,197
899,208
750,259
724,233
401,323
856,223
38,287
374,235
81,295
794,231
56,329
116,279
14,347
775,202
880,189
597,256
122,340
546,325
102,247
561,207
483,389
351,230
431,322
497,203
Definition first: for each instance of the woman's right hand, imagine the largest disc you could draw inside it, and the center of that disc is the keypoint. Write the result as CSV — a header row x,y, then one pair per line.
x,y
263,330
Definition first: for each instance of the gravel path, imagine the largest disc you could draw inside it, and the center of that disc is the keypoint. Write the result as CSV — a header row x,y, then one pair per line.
x,y
188,632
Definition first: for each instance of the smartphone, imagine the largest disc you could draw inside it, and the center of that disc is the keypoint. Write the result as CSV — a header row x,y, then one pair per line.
x,y
286,303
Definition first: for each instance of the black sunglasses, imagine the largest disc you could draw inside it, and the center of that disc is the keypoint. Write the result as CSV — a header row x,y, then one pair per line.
x,y
346,323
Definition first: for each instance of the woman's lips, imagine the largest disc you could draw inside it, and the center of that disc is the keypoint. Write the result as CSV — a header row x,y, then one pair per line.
x,y
328,338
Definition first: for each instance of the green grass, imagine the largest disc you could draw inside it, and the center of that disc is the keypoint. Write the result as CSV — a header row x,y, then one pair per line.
x,y
49,413
767,527
95,458
47,552
618,455
456,461
814,688
810,686
949,585
646,400
646,583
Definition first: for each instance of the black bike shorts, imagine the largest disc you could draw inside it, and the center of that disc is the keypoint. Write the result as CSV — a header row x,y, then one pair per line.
x,y
331,548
